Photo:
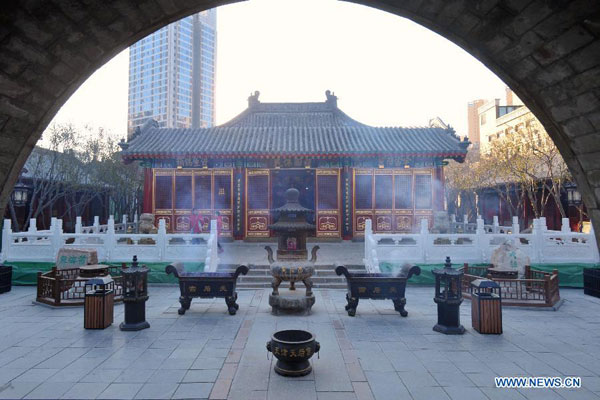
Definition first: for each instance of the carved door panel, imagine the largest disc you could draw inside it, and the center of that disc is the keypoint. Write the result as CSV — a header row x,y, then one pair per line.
x,y
328,202
363,199
223,199
403,201
183,199
257,202
163,197
423,198
384,198
203,196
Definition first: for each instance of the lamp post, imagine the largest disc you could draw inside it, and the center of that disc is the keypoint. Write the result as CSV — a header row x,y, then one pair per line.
x,y
135,295
20,194
448,297
574,200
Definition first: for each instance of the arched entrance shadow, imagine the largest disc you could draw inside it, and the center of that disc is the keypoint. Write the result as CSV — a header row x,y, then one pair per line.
x,y
547,52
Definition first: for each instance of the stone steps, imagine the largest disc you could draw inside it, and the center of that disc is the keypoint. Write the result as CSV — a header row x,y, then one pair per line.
x,y
259,276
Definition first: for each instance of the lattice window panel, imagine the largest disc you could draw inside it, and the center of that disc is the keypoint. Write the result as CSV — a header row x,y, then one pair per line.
x,y
363,192
222,192
403,184
258,192
423,192
183,192
202,192
163,189
328,192
383,192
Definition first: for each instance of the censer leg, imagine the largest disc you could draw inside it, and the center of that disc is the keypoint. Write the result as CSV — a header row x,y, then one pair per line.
x,y
309,284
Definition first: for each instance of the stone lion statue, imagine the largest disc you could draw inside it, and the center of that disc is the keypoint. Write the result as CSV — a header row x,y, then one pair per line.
x,y
147,224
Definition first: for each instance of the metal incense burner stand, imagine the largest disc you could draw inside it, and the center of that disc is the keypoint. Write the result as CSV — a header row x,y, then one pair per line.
x,y
135,295
448,296
292,263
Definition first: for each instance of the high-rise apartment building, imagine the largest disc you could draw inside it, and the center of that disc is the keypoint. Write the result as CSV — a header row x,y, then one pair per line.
x,y
172,75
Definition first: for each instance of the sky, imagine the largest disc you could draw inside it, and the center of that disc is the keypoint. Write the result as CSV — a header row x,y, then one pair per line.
x,y
385,70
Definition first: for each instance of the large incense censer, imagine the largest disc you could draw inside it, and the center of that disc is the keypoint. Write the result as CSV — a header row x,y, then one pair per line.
x,y
293,349
292,263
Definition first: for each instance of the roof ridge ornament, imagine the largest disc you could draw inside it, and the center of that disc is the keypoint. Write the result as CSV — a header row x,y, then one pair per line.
x,y
253,98
331,98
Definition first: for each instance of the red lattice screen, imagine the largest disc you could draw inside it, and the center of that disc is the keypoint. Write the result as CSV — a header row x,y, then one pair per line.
x,y
423,192
183,192
383,192
364,192
403,184
327,187
202,192
258,192
162,192
222,192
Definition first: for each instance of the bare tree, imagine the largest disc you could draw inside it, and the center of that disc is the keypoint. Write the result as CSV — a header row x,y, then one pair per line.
x,y
528,158
79,167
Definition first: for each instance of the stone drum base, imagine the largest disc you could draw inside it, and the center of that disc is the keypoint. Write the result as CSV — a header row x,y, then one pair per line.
x,y
291,301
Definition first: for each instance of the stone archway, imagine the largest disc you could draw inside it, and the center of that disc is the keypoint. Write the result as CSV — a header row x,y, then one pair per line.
x,y
547,51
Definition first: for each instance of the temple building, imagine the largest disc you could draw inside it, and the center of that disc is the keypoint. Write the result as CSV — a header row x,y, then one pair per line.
x,y
346,171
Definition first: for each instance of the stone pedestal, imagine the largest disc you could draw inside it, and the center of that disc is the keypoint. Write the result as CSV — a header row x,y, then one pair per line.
x,y
291,301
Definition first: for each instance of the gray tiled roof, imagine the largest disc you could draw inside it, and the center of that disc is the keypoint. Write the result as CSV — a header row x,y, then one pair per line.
x,y
294,129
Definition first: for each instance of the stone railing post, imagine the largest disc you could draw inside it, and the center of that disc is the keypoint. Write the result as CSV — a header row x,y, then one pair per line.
x,y
123,227
424,239
56,240
33,224
161,239
543,224
515,225
78,225
96,226
78,229
564,227
481,240
6,240
465,222
495,224
368,235
538,240
109,239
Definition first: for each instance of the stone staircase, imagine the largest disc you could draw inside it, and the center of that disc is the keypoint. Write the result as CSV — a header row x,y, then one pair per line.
x,y
259,276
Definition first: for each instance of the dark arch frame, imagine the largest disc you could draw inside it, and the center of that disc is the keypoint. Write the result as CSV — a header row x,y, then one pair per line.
x,y
548,52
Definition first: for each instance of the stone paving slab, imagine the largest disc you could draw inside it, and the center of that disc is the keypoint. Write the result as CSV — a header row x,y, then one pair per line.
x,y
377,355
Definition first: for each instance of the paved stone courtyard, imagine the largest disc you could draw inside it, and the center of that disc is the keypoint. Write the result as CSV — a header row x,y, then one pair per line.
x,y
46,353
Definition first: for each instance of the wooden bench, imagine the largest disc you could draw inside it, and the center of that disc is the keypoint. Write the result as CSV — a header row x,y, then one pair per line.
x,y
206,285
377,286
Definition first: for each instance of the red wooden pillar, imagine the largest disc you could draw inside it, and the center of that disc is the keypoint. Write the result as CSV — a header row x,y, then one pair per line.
x,y
147,208
438,188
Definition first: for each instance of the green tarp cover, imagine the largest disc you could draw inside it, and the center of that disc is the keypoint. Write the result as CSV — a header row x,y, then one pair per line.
x,y
569,275
25,273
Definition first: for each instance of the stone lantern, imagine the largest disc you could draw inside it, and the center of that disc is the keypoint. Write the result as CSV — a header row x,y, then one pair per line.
x,y
448,297
135,295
